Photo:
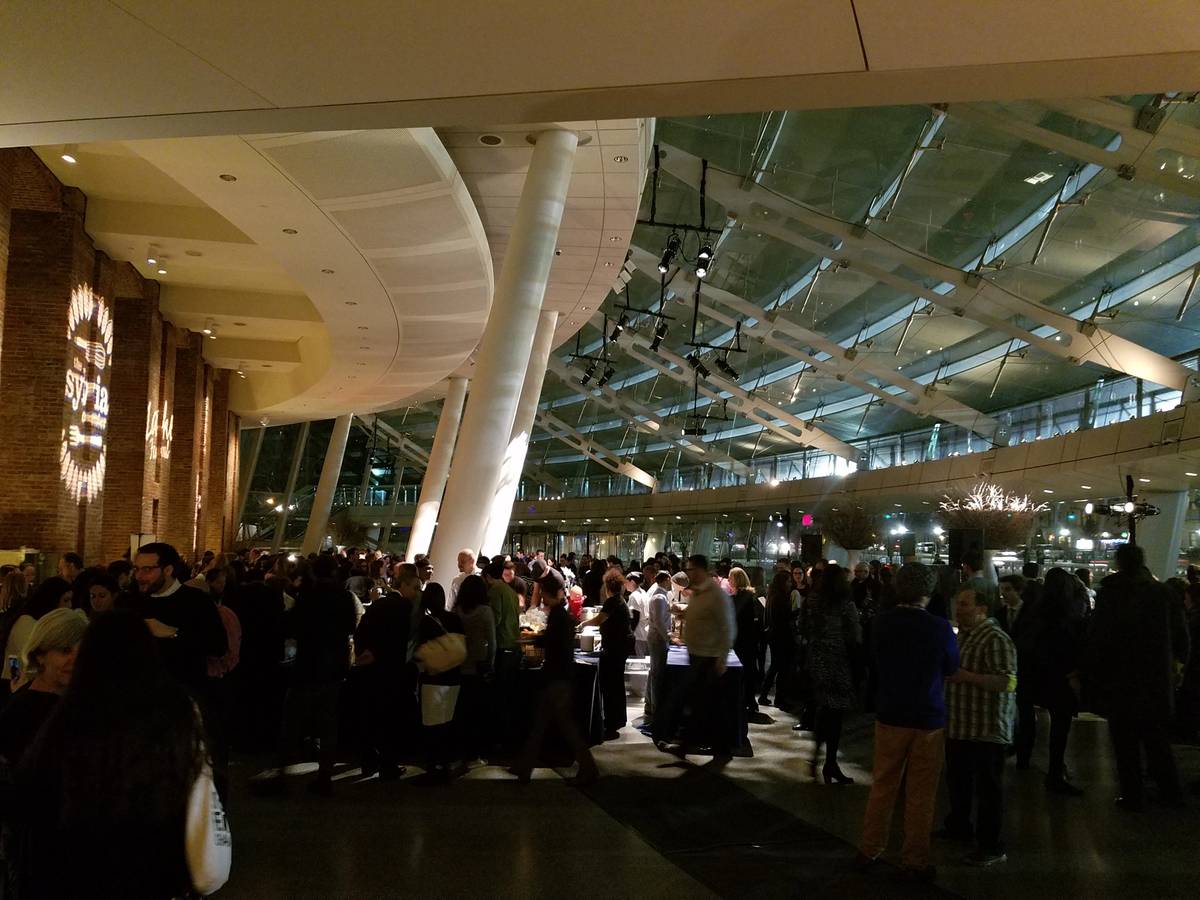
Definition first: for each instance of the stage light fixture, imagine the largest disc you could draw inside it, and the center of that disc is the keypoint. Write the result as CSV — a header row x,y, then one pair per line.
x,y
660,332
609,372
704,260
618,327
669,254
724,366
700,368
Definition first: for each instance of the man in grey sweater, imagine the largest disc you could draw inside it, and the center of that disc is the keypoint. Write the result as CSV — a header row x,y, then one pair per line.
x,y
709,631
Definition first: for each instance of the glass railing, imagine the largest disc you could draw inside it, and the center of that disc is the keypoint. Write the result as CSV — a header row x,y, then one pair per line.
x,y
1107,402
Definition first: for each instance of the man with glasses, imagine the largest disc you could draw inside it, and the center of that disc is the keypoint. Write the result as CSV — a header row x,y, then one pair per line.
x,y
710,630
184,619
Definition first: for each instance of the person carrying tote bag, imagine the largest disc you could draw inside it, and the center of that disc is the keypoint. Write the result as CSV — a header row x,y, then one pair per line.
x,y
440,653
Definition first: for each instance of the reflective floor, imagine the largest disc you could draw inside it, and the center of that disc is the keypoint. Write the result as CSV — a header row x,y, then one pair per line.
x,y
653,826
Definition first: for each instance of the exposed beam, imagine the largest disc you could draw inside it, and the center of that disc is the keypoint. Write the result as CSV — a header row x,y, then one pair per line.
x,y
651,424
594,450
970,294
1123,119
1126,160
806,433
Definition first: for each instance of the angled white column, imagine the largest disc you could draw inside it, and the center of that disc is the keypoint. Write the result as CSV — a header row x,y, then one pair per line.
x,y
1161,536
504,350
518,441
290,493
318,517
246,471
437,470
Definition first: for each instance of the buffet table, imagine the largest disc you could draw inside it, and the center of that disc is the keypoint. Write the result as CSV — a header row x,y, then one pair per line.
x,y
733,711
589,714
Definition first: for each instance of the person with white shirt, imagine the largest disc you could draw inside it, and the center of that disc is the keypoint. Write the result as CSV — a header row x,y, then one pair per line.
x,y
637,599
658,638
466,568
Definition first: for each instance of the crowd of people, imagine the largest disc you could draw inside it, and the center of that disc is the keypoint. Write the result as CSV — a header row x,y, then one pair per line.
x,y
142,675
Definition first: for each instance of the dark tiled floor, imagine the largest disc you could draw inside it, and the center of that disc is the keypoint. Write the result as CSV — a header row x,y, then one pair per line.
x,y
759,828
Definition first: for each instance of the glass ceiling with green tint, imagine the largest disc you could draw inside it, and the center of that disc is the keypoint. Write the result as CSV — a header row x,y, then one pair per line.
x,y
1071,236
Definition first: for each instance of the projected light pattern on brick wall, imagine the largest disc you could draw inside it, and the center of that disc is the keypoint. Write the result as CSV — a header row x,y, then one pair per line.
x,y
85,393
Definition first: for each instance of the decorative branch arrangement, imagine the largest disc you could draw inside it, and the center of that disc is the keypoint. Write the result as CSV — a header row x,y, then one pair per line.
x,y
851,527
1005,519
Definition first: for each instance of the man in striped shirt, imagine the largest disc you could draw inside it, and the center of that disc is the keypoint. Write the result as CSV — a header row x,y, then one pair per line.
x,y
980,705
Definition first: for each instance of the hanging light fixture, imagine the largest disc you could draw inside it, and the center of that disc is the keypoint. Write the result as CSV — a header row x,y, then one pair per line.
x,y
609,372
660,332
704,260
618,327
669,254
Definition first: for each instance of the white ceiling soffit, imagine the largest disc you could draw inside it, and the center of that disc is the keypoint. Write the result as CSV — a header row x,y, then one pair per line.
x,y
598,221
83,70
377,228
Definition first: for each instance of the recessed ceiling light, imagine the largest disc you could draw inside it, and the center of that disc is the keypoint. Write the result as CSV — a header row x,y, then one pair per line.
x,y
616,238
352,303
621,158
68,154
491,140
1086,487
225,176
1038,178
362,364
1192,474
327,271
240,324
364,348
192,253
363,327
1047,491
162,271
1144,480
266,365
608,264
290,231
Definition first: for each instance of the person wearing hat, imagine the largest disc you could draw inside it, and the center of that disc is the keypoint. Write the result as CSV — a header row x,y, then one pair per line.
x,y
555,704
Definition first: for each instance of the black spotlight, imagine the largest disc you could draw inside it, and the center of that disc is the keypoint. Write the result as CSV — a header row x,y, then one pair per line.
x,y
704,260
660,332
618,327
587,374
668,257
609,372
700,367
724,366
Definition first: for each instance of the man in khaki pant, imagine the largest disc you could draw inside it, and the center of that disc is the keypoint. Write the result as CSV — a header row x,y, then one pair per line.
x,y
914,653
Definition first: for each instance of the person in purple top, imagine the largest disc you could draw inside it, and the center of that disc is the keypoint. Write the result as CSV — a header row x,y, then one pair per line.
x,y
914,653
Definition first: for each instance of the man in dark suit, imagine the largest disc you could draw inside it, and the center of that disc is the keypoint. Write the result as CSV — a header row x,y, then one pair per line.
x,y
1135,648
1017,616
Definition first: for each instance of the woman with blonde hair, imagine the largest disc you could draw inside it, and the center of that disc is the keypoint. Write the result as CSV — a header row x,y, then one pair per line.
x,y
48,661
749,615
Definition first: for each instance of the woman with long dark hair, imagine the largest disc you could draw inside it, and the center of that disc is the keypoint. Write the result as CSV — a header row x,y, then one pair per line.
x,y
119,774
781,640
833,630
1057,655
616,643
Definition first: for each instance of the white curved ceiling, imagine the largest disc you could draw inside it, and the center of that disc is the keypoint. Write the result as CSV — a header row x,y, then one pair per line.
x,y
378,230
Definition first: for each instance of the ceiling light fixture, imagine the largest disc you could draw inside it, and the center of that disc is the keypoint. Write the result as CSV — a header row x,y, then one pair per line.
x,y
609,372
1192,474
225,176
1038,178
618,327
620,158
290,231
162,271
208,326
704,260
68,154
660,332
669,253
151,256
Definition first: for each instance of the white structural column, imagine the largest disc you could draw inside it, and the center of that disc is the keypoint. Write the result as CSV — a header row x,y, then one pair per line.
x,y
246,471
436,471
504,350
290,494
331,469
522,432
1161,536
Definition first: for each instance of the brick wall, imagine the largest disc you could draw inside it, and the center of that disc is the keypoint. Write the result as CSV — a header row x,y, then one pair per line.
x,y
178,527
7,164
221,495
135,406
49,255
